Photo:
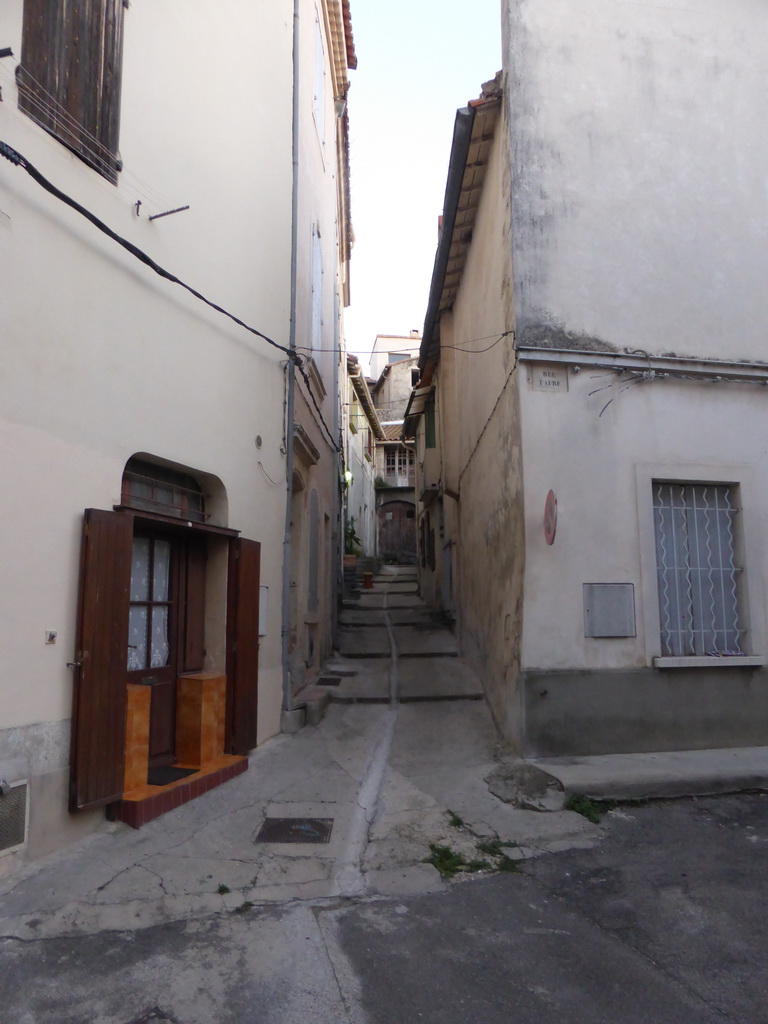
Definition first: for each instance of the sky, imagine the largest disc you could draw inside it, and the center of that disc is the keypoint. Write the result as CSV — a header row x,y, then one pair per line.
x,y
418,62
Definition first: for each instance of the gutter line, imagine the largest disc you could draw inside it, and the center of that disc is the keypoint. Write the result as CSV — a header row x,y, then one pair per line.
x,y
291,368
462,136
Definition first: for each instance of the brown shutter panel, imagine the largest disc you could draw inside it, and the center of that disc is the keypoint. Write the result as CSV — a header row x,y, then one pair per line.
x,y
243,644
100,694
37,74
193,652
70,75
111,84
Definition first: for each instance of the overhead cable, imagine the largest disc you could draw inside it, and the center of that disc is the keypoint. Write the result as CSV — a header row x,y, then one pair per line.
x,y
20,161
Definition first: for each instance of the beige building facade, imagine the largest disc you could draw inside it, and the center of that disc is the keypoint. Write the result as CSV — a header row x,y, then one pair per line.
x,y
362,431
145,435
593,370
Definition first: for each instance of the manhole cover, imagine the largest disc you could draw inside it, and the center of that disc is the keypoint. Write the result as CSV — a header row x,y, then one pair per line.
x,y
156,1016
295,830
328,681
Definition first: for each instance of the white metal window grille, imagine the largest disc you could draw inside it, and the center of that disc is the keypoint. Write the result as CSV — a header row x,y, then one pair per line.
x,y
696,569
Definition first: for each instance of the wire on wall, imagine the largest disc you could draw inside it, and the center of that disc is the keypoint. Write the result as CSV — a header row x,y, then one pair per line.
x,y
20,161
631,378
88,142
490,417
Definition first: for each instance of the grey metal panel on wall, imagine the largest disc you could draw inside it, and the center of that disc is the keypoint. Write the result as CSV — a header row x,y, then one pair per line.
x,y
609,609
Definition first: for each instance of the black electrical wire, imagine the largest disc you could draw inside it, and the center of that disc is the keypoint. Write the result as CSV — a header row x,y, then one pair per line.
x,y
20,161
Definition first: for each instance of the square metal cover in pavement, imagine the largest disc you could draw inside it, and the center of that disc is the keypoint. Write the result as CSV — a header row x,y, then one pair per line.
x,y
295,830
156,1016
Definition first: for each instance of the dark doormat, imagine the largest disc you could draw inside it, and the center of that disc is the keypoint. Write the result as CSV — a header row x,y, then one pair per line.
x,y
295,830
168,773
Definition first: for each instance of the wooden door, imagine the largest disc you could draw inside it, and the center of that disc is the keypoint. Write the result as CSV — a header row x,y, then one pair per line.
x,y
166,626
397,531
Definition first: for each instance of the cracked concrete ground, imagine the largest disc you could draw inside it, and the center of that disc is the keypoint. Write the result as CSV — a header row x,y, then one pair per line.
x,y
388,775
189,920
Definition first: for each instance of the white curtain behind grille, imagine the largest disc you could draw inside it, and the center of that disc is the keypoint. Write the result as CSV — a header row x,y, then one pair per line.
x,y
697,575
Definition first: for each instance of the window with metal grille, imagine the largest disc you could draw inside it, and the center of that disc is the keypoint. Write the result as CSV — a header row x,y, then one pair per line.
x,y
698,578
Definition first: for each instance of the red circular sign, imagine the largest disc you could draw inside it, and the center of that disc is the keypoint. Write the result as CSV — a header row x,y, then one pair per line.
x,y
550,518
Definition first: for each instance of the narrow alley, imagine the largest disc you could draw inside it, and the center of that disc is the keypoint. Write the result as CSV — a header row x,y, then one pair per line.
x,y
405,743
308,895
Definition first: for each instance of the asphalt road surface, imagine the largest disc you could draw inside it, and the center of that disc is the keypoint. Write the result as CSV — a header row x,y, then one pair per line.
x,y
663,922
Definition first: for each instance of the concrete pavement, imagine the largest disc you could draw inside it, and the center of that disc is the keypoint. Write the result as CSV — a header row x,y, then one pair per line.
x,y
191,919
392,777
406,756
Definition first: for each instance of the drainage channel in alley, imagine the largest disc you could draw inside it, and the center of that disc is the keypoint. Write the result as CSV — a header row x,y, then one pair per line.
x,y
392,651
356,804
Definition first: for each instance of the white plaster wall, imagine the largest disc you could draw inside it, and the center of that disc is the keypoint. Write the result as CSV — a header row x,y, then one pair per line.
x,y
695,430
481,553
639,158
391,399
103,359
385,343
317,207
361,496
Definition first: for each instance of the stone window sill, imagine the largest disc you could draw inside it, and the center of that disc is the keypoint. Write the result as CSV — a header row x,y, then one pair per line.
x,y
711,661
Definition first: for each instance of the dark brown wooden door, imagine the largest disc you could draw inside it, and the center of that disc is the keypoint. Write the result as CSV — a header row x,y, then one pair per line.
x,y
166,626
242,644
153,635
99,697
397,531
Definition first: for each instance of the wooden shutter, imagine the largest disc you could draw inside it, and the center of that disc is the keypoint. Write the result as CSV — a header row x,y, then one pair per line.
x,y
100,695
242,645
193,624
69,77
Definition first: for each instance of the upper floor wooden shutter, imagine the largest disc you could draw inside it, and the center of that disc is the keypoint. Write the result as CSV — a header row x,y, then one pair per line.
x,y
70,75
100,695
243,644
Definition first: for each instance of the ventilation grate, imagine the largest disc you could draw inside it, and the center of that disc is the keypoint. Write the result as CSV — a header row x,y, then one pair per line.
x,y
13,818
295,830
155,1016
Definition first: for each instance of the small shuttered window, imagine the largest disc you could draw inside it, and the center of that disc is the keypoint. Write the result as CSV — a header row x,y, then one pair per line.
x,y
69,76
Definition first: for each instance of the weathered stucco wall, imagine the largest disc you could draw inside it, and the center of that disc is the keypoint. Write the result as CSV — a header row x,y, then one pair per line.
x,y
592,695
103,359
639,155
480,443
391,397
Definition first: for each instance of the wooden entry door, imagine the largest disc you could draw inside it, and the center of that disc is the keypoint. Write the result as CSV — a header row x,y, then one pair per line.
x,y
165,627
397,531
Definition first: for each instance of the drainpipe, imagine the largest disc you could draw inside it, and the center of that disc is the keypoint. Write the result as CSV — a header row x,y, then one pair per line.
x,y
291,382
338,463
